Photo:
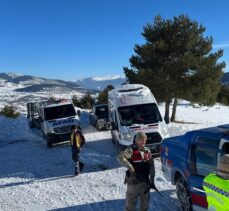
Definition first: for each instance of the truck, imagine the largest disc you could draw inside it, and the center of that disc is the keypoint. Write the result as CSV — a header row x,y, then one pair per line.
x,y
188,158
55,119
133,108
99,117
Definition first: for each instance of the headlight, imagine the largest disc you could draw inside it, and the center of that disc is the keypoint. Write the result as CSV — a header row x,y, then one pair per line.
x,y
101,121
51,130
127,136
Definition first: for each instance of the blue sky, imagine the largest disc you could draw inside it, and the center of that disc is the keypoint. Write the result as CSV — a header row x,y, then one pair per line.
x,y
73,39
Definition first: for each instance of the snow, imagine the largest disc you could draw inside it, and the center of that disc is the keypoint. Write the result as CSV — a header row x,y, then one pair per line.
x,y
33,177
109,77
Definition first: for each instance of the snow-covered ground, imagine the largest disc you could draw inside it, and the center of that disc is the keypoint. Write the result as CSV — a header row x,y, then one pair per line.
x,y
33,177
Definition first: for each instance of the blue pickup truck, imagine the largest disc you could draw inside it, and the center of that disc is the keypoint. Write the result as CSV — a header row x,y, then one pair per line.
x,y
187,159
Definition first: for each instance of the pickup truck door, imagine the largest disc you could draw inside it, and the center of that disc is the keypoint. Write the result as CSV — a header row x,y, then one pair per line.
x,y
203,160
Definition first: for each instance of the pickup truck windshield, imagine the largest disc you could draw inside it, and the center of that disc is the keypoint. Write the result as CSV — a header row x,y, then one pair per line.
x,y
139,114
101,111
58,112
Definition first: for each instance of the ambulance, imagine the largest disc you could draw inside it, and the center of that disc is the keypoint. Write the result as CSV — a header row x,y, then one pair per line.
x,y
133,108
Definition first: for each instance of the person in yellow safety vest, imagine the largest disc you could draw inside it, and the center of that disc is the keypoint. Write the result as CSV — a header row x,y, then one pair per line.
x,y
77,141
216,186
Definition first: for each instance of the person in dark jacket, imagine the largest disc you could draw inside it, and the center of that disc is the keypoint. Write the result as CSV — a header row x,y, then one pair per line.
x,y
77,141
140,174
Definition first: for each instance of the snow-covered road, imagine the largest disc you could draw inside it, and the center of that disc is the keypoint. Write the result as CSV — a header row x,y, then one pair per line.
x,y
33,177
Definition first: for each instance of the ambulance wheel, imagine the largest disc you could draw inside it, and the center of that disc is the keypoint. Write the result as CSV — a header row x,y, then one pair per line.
x,y
183,194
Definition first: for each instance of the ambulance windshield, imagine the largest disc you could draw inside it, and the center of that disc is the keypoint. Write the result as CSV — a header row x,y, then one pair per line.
x,y
139,114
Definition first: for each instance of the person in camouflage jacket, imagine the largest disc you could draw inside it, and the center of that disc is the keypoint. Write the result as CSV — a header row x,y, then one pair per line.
x,y
140,173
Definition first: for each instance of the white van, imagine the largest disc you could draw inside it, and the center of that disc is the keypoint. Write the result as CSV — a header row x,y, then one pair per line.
x,y
133,108
55,119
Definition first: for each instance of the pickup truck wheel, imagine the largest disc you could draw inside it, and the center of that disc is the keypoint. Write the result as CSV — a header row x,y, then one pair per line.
x,y
183,194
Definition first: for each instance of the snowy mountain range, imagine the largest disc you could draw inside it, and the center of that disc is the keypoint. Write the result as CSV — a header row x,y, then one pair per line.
x,y
100,83
29,83
18,89
33,84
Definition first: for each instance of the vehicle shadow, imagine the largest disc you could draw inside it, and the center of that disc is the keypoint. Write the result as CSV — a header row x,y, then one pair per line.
x,y
26,161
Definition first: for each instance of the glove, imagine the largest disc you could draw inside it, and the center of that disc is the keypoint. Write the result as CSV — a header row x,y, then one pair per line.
x,y
131,169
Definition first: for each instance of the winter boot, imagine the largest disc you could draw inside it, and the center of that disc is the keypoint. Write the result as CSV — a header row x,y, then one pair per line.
x,y
77,168
81,165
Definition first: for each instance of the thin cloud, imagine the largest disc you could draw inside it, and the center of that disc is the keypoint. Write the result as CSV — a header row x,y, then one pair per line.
x,y
222,45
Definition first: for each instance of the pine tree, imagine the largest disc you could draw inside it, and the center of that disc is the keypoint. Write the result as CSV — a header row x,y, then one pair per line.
x,y
87,101
176,62
103,95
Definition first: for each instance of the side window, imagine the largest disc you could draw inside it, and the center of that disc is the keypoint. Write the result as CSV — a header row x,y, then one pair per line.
x,y
206,160
204,156
116,120
225,148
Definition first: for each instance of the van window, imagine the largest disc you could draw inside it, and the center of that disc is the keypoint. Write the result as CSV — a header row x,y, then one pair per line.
x,y
139,114
58,112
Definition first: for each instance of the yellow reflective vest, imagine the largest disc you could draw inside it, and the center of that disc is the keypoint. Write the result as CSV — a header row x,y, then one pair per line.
x,y
76,140
217,191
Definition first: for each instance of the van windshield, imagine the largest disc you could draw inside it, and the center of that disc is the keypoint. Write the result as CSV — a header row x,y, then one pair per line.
x,y
58,112
139,114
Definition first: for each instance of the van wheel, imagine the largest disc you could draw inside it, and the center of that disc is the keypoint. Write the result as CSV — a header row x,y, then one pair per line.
x,y
183,194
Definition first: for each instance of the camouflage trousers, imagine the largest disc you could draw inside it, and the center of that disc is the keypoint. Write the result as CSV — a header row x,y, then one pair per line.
x,y
135,192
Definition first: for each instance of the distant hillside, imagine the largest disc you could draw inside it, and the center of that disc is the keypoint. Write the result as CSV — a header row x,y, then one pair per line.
x,y
27,83
100,83
225,78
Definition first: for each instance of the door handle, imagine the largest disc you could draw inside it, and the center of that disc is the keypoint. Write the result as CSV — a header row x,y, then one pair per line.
x,y
199,189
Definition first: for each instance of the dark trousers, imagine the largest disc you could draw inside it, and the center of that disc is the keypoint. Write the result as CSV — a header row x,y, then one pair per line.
x,y
75,158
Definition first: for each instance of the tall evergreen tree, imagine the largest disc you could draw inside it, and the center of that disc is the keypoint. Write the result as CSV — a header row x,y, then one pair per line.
x,y
176,62
87,101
